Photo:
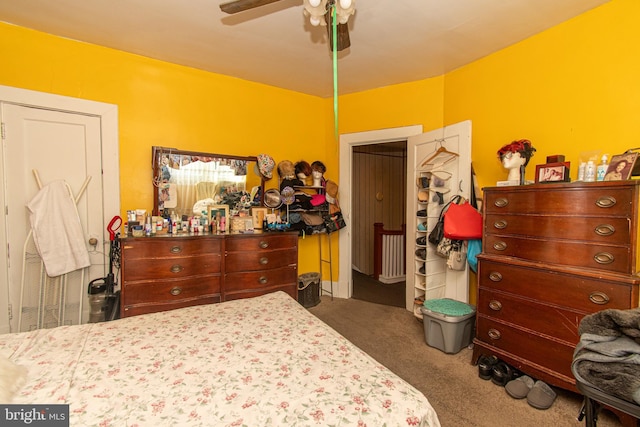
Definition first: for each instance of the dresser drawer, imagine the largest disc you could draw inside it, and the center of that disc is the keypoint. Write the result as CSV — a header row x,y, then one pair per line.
x,y
564,252
560,289
261,260
540,317
172,268
608,230
170,291
261,279
572,200
527,344
158,247
261,242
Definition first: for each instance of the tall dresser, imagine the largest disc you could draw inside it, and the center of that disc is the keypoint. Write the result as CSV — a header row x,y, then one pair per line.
x,y
172,271
553,253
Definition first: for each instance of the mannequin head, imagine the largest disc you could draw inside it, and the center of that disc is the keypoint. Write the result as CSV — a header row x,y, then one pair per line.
x,y
514,157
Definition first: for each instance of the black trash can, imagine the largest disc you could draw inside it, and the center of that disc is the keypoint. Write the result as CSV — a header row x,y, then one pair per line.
x,y
309,289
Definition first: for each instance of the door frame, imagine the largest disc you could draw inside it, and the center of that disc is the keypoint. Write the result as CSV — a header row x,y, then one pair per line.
x,y
347,142
108,115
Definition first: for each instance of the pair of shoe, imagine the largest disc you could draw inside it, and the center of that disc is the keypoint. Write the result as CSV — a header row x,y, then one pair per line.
x,y
422,226
421,253
422,241
499,372
422,212
485,366
539,395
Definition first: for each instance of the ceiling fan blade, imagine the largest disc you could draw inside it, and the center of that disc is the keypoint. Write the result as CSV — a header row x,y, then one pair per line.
x,y
236,6
343,33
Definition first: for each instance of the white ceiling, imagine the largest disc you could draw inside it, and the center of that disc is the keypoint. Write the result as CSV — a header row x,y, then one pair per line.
x,y
392,41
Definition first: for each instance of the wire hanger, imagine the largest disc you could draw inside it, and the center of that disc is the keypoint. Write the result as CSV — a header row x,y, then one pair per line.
x,y
441,153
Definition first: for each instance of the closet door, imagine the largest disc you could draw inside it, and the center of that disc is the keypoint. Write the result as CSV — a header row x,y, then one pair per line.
x,y
59,146
438,168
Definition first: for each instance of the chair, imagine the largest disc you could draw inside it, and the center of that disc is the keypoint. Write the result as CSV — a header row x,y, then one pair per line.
x,y
594,398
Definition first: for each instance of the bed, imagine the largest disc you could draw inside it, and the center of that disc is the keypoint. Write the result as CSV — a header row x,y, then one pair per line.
x,y
263,361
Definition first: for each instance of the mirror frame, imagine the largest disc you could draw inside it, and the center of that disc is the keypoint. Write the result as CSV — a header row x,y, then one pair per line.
x,y
156,167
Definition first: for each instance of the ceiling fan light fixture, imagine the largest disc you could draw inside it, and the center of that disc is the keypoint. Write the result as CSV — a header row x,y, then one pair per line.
x,y
344,10
315,10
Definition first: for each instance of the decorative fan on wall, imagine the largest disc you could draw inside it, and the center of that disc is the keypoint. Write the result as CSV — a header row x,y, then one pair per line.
x,y
318,11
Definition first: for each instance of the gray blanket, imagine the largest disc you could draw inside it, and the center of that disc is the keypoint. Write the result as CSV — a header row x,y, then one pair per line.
x,y
608,354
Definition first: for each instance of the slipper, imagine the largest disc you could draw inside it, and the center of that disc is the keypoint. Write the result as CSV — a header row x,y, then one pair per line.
x,y
520,387
541,396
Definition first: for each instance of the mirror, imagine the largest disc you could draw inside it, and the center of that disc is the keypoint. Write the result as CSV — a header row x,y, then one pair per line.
x,y
186,182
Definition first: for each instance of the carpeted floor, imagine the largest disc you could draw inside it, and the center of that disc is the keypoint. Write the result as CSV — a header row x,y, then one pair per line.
x,y
366,288
395,338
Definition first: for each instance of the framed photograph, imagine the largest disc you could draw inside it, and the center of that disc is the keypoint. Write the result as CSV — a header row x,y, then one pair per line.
x,y
620,167
553,172
258,215
224,212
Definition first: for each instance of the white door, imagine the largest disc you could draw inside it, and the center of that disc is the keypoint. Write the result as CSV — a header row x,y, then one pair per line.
x,y
436,280
58,145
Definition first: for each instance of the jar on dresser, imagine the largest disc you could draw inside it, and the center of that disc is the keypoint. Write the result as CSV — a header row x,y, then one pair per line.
x,y
166,271
553,253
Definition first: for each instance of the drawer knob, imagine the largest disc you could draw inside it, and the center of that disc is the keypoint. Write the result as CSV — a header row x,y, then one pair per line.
x,y
176,268
606,202
501,202
599,298
495,305
264,244
604,258
605,230
263,280
494,334
500,246
175,249
501,224
494,276
176,291
264,260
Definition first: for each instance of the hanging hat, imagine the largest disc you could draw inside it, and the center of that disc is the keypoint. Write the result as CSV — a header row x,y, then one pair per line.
x,y
266,165
332,192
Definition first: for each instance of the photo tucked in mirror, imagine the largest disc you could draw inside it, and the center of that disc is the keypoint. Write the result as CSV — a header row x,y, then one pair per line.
x,y
186,183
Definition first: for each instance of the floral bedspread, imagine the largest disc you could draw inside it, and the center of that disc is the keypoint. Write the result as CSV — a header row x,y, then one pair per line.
x,y
263,361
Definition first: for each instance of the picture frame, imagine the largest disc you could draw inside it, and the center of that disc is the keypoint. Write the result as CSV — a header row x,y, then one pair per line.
x,y
258,215
621,167
224,212
553,172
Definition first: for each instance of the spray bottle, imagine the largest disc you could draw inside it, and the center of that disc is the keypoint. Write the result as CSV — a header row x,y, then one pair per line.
x,y
602,168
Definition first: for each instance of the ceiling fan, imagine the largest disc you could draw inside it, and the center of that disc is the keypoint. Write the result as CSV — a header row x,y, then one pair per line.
x,y
325,6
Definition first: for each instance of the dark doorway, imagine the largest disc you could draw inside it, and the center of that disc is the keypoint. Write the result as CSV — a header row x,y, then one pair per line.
x,y
378,193
366,288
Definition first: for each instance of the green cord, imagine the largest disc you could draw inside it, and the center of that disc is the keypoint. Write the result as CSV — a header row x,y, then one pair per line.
x,y
335,72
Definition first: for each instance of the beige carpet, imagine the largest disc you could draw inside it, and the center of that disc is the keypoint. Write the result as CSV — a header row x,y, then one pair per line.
x,y
395,338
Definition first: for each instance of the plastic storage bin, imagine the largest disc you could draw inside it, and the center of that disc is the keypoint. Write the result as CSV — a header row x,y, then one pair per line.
x,y
309,289
448,324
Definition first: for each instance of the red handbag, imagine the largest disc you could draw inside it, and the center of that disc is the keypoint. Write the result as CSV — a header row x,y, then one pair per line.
x,y
462,222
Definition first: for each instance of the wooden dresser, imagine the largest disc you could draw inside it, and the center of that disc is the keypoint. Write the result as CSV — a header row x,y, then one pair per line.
x,y
165,272
553,253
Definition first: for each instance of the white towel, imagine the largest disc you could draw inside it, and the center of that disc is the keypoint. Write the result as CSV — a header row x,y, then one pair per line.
x,y
57,231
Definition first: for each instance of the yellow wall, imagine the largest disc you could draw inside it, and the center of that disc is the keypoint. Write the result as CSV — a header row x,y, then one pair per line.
x,y
570,89
169,105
